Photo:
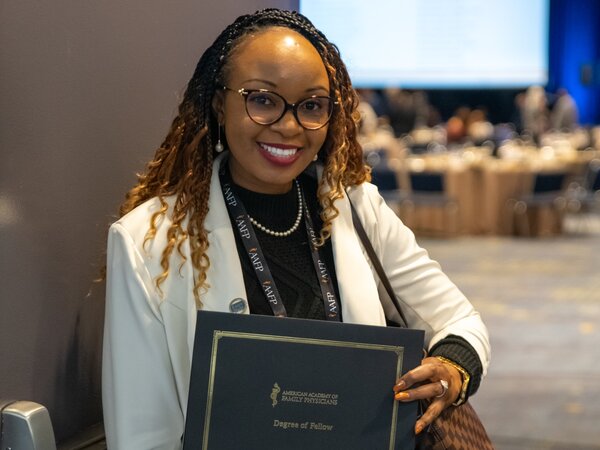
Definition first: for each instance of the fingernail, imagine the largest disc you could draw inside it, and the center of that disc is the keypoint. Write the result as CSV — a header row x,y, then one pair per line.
x,y
402,396
418,428
399,385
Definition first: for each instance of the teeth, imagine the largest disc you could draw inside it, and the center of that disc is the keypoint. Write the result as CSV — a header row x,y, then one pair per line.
x,y
279,151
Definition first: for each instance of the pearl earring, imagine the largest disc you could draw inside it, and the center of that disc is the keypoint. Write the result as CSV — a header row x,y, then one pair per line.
x,y
219,146
316,156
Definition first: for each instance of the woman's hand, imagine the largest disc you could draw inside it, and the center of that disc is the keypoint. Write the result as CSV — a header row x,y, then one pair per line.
x,y
434,380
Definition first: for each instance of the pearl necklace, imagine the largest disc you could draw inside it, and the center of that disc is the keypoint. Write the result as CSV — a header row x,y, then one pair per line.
x,y
296,223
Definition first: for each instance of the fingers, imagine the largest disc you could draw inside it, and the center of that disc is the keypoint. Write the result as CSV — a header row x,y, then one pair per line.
x,y
431,413
437,389
417,375
430,370
433,380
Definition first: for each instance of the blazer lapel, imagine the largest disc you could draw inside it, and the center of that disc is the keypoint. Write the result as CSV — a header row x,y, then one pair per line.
x,y
224,275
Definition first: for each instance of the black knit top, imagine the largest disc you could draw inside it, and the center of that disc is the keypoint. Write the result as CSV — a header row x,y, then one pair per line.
x,y
289,258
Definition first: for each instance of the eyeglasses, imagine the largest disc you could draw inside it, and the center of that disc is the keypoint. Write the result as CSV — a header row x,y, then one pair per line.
x,y
265,108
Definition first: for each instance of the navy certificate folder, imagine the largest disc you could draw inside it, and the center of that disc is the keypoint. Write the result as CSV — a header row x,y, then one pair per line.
x,y
261,382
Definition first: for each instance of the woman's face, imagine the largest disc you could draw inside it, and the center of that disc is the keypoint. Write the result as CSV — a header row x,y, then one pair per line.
x,y
267,158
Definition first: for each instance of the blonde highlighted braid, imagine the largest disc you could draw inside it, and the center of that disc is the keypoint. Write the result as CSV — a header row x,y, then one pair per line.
x,y
182,166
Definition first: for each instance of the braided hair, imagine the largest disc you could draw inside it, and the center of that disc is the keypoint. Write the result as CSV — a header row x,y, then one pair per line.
x,y
182,165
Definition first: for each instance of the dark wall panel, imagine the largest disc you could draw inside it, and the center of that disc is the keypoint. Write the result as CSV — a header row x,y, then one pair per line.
x,y
88,90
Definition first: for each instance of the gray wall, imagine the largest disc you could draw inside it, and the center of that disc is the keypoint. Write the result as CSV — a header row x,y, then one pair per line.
x,y
88,90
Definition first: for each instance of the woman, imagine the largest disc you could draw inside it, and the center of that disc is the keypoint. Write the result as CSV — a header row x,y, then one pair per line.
x,y
272,92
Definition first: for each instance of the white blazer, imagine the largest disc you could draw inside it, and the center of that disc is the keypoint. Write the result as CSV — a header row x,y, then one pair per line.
x,y
149,333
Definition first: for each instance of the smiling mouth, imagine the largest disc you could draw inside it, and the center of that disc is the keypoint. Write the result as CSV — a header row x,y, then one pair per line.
x,y
279,151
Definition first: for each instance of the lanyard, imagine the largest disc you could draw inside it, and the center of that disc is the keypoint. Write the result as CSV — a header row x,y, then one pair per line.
x,y
246,231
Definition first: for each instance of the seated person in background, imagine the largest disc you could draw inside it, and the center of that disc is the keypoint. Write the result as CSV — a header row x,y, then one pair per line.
x,y
534,113
375,136
478,128
405,110
456,126
375,98
269,105
564,115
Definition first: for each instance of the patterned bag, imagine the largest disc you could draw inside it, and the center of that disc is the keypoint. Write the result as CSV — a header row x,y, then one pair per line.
x,y
457,427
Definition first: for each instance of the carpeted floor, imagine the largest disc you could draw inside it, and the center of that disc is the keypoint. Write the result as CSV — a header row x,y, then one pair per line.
x,y
540,299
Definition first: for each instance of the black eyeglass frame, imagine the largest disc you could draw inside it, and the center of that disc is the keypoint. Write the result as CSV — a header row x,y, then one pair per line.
x,y
287,106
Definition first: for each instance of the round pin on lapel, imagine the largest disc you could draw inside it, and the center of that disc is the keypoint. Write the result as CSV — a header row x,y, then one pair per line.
x,y
237,305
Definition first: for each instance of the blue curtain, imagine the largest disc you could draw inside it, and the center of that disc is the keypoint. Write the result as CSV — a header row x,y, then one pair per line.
x,y
574,56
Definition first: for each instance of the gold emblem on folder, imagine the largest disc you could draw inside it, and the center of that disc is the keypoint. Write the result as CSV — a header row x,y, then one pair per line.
x,y
274,393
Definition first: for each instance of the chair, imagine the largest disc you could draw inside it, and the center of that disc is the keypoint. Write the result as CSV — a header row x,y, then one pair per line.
x,y
590,196
385,178
584,196
548,191
419,148
375,157
25,425
386,181
427,189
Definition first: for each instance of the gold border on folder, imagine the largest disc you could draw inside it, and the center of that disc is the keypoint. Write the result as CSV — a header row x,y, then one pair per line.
x,y
219,334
